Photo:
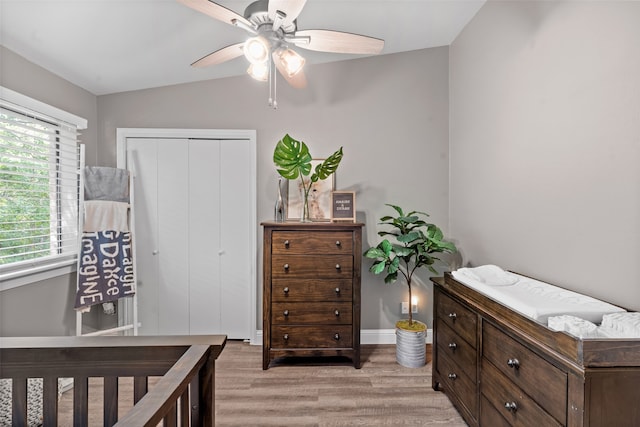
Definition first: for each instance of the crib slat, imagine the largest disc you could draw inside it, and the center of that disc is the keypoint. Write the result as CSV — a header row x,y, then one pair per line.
x,y
110,401
80,401
19,402
185,408
140,388
171,419
49,401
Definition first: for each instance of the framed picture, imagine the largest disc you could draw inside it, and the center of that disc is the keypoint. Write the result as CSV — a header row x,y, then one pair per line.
x,y
319,196
343,206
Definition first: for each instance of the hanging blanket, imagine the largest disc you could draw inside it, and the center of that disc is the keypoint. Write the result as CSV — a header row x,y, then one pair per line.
x,y
106,268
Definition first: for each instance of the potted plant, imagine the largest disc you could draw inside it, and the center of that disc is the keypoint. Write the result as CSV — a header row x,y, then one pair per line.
x,y
293,161
413,243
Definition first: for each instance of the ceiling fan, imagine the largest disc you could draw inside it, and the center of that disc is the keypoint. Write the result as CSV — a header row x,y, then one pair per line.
x,y
273,29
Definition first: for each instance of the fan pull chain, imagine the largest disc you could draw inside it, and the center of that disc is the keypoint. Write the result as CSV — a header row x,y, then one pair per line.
x,y
273,80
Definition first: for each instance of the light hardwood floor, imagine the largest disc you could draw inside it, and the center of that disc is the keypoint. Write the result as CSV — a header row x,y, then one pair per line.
x,y
306,393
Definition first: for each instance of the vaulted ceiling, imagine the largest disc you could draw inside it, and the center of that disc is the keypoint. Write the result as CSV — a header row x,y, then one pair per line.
x,y
109,46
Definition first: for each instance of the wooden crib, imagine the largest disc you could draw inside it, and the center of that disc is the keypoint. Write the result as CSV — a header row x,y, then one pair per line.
x,y
183,396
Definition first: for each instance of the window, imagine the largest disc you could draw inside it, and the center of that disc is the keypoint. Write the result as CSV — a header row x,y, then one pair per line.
x,y
39,188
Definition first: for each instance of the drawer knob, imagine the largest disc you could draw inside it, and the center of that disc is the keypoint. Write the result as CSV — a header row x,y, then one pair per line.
x,y
337,291
336,337
511,406
337,266
453,345
286,266
452,376
286,313
286,244
338,243
285,337
453,316
513,363
337,313
286,290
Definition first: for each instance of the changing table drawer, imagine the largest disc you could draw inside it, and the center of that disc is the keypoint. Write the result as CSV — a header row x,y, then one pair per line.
x,y
545,383
459,318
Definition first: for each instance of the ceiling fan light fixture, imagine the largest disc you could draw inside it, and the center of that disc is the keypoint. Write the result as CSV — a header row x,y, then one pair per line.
x,y
291,60
259,71
256,50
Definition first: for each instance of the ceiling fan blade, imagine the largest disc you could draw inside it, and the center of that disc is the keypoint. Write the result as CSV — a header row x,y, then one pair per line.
x,y
291,8
298,81
339,42
216,11
220,56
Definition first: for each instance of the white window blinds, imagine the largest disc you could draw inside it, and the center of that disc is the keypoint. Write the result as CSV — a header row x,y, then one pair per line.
x,y
39,190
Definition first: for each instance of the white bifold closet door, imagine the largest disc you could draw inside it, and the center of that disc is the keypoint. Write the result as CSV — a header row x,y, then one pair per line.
x,y
193,240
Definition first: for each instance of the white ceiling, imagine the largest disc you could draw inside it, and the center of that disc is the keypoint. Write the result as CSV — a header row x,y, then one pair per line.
x,y
109,46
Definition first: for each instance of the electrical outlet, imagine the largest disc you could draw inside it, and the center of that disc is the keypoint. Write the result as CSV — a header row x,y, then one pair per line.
x,y
414,308
405,307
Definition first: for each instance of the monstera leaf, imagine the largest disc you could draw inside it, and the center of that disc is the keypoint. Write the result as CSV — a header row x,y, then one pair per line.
x,y
329,166
292,158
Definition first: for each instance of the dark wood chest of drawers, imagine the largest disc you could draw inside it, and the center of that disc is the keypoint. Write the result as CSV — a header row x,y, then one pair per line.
x,y
311,290
502,369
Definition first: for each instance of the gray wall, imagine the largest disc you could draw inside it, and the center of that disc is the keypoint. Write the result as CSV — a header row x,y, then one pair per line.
x,y
390,113
45,308
545,143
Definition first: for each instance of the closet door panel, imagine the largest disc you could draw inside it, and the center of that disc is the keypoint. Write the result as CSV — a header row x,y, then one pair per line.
x,y
204,237
142,162
173,237
235,237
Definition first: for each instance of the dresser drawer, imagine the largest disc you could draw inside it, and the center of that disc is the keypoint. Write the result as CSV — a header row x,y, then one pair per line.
x,y
325,336
317,266
511,402
303,290
454,348
455,381
300,242
459,318
545,383
326,313
490,416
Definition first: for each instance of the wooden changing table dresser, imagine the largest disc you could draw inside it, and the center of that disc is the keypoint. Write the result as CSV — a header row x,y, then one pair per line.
x,y
311,290
500,368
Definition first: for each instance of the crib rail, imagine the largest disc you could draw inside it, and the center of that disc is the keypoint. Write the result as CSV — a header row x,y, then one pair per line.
x,y
183,396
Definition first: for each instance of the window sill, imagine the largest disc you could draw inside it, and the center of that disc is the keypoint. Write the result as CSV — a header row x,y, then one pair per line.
x,y
26,277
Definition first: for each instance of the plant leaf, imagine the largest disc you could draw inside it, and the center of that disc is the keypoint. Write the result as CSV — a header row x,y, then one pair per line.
x,y
329,166
292,158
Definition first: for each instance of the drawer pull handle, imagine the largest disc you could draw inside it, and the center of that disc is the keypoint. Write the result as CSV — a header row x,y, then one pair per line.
x,y
338,243
337,291
286,337
336,337
337,266
453,345
513,363
286,313
286,244
453,316
286,266
337,313
452,376
286,290
511,406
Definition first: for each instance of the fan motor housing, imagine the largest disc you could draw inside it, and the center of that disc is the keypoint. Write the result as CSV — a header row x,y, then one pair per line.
x,y
257,13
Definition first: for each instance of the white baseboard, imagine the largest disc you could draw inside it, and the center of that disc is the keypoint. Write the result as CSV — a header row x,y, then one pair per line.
x,y
367,336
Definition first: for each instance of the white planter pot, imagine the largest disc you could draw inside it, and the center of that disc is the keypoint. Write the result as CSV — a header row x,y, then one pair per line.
x,y
410,348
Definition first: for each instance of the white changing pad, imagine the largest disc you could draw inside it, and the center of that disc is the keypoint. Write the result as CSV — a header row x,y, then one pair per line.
x,y
533,298
621,325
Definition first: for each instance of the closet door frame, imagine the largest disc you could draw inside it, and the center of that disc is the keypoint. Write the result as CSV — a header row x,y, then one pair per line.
x,y
222,134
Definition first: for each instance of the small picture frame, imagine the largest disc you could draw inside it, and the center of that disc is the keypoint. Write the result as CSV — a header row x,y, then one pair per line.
x,y
343,206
